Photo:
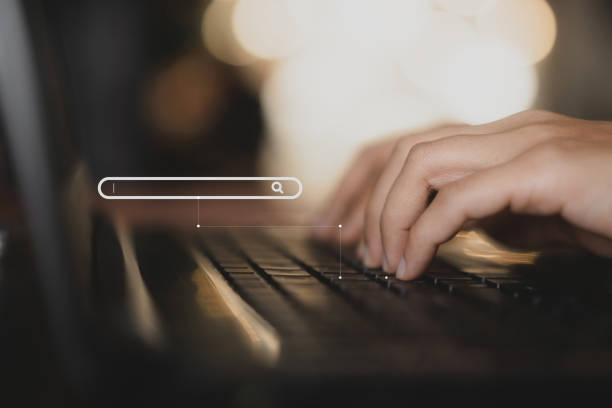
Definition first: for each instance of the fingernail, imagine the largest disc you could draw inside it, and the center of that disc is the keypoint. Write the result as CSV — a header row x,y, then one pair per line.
x,y
401,269
385,264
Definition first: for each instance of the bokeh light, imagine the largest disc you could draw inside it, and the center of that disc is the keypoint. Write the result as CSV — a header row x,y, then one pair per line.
x,y
487,80
265,28
322,106
530,25
219,36
425,63
383,27
184,98
333,74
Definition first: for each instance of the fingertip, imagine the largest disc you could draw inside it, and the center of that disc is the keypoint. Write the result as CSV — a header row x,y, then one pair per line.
x,y
416,261
408,270
412,270
368,259
401,270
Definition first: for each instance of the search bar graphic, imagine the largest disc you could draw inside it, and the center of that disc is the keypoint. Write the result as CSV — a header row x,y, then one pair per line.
x,y
200,188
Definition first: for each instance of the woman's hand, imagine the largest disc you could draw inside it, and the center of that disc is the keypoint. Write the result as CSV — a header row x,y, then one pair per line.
x,y
535,163
347,205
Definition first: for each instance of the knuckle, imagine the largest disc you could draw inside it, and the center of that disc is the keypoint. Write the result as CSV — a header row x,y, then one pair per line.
x,y
408,144
405,144
416,162
538,114
553,153
456,141
547,128
418,153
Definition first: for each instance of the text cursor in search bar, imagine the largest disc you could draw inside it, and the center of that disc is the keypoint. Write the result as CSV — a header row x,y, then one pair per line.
x,y
200,188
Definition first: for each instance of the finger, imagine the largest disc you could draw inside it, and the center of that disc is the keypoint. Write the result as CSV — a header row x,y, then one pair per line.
x,y
363,172
430,166
372,253
521,184
373,249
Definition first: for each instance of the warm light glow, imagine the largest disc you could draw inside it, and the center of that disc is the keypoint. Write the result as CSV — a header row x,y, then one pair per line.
x,y
184,98
325,105
380,27
476,252
425,64
528,24
265,28
337,73
218,34
487,80
466,7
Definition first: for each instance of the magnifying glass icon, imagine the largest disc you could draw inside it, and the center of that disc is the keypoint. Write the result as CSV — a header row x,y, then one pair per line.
x,y
277,187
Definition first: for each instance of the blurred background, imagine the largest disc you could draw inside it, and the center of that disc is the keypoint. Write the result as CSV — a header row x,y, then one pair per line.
x,y
295,87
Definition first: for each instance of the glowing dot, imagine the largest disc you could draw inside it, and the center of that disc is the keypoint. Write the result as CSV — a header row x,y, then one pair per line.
x,y
339,277
339,225
198,225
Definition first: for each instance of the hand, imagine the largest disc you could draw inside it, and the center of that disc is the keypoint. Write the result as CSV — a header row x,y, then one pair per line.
x,y
347,205
535,163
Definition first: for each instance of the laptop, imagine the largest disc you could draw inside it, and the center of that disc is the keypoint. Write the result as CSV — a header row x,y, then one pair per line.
x,y
243,315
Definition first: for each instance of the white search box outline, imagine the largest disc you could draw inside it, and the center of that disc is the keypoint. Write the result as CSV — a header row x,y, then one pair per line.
x,y
202,197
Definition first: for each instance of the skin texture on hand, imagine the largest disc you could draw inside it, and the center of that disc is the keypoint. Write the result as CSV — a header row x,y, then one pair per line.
x,y
532,163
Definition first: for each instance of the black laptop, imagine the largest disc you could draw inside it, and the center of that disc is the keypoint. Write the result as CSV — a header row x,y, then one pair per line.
x,y
252,316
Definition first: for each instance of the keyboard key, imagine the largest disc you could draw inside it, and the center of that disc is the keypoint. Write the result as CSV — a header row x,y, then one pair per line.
x,y
498,283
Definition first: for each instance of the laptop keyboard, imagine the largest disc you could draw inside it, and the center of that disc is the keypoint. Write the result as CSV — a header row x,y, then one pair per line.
x,y
508,307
